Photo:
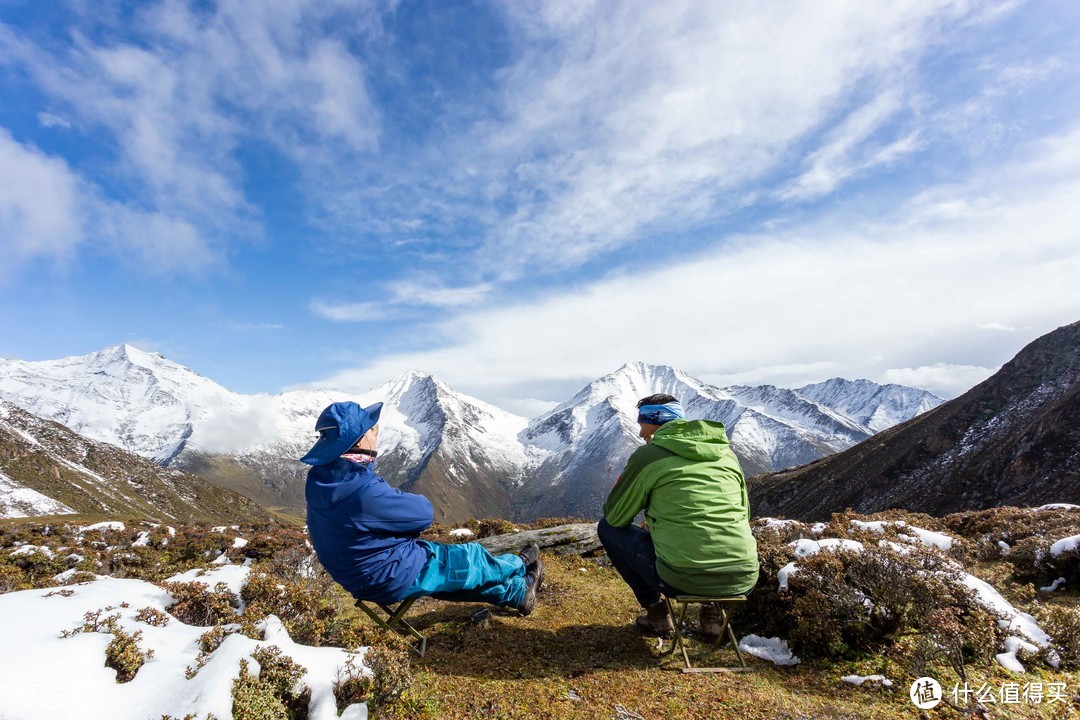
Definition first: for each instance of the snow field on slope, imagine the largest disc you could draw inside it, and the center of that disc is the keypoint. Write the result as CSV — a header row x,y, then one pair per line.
x,y
48,677
17,501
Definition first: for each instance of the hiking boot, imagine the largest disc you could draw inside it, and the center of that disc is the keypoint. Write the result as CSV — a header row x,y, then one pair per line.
x,y
538,572
530,554
711,621
656,620
534,577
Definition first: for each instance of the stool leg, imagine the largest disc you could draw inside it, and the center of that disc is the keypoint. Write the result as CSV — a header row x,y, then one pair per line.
x,y
395,622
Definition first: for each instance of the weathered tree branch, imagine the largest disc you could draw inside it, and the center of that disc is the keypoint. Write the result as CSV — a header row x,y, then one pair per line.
x,y
573,539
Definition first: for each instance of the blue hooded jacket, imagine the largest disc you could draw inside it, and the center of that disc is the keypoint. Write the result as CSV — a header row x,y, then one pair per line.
x,y
364,531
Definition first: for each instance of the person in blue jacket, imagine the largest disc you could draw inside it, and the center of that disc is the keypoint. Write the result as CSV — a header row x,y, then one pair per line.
x,y
366,533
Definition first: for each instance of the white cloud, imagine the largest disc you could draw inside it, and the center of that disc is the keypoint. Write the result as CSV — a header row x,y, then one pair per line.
x,y
795,375
181,101
47,210
638,115
851,297
229,428
941,378
995,326
429,293
834,162
41,208
347,312
257,326
49,120
525,407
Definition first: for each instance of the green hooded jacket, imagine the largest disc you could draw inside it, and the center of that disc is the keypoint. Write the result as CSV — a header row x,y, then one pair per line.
x,y
691,487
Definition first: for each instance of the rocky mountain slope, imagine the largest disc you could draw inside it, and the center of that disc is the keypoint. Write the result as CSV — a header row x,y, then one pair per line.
x,y
46,469
1014,439
470,458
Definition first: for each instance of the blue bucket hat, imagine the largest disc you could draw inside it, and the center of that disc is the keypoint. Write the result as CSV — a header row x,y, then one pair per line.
x,y
340,426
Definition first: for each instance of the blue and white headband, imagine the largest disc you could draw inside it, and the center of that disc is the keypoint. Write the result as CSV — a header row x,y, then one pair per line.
x,y
660,414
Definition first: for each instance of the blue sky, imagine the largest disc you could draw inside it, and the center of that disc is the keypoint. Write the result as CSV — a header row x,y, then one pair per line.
x,y
520,197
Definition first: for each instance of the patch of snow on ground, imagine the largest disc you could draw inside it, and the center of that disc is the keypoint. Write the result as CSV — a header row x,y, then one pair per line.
x,y
1065,545
932,539
143,540
239,542
113,525
234,576
783,574
31,550
1009,659
877,526
872,679
917,534
461,532
1009,618
17,501
774,650
818,528
779,522
806,548
1058,506
1006,548
1054,586
88,690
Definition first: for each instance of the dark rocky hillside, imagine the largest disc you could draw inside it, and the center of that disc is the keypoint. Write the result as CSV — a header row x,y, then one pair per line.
x,y
1014,439
93,477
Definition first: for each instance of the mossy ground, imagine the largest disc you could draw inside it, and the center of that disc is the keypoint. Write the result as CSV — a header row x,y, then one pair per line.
x,y
579,656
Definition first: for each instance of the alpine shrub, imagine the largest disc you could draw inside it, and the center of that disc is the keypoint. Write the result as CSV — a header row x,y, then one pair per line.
x,y
391,673
152,616
270,695
196,604
1062,624
352,685
124,656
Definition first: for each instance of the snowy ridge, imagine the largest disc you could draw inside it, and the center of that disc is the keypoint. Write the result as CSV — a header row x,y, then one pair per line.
x,y
164,411
581,445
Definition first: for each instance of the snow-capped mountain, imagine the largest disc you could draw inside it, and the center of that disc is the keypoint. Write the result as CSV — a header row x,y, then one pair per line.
x,y
588,438
875,407
46,469
469,457
432,438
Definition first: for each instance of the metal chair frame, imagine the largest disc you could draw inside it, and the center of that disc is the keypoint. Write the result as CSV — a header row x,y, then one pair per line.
x,y
726,632
395,621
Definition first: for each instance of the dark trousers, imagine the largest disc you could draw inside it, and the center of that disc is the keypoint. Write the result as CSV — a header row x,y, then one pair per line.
x,y
631,552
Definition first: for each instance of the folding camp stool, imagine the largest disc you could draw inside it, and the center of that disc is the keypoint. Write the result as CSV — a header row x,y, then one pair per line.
x,y
395,621
679,642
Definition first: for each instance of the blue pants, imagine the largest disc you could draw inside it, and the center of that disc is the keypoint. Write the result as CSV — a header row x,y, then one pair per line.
x,y
469,573
631,552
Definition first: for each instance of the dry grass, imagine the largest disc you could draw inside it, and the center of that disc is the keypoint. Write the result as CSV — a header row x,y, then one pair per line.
x,y
578,656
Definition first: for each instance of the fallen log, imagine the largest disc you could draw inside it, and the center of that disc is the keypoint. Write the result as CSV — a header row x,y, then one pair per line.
x,y
573,539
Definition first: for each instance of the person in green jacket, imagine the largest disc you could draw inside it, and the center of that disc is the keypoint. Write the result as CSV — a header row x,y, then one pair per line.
x,y
690,484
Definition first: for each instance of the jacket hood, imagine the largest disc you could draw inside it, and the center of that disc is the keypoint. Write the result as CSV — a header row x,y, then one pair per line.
x,y
328,485
693,439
